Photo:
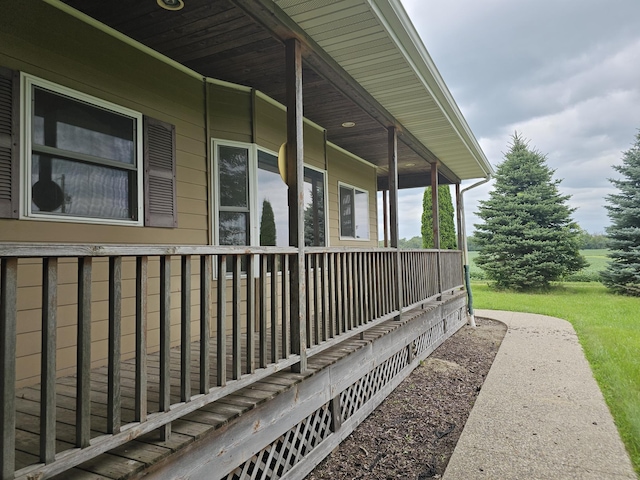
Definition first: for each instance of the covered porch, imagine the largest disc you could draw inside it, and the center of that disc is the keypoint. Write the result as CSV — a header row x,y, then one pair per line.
x,y
239,350
159,337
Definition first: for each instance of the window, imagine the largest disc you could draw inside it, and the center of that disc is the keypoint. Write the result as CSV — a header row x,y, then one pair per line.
x,y
354,212
83,157
233,168
314,218
272,203
272,194
252,198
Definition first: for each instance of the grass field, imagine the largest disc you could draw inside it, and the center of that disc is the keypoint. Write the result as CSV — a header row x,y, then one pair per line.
x,y
597,262
608,327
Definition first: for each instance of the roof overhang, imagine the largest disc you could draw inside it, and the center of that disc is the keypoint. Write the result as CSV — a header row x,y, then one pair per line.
x,y
363,62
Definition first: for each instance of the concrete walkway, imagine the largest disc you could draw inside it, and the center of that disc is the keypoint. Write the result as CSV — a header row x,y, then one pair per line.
x,y
540,413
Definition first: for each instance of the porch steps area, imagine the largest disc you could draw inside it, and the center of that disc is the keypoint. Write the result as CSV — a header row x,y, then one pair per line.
x,y
139,456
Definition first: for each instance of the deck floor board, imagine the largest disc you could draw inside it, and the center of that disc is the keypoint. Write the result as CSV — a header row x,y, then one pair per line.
x,y
129,459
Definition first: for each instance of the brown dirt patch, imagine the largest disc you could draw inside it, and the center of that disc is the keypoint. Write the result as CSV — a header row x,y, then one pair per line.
x,y
412,434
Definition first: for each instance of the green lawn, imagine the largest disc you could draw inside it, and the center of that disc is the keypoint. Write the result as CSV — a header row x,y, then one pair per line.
x,y
597,262
608,327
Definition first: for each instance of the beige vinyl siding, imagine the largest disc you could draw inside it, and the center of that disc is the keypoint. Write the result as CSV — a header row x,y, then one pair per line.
x,y
271,132
34,38
347,169
229,113
38,42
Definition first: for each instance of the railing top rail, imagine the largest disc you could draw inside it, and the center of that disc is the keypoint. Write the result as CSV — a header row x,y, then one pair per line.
x,y
347,249
375,249
34,249
25,250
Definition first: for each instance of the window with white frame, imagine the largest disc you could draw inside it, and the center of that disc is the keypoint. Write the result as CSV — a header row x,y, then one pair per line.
x,y
252,198
354,212
233,168
82,157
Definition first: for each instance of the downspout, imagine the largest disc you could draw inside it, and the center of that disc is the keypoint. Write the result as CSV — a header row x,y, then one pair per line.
x,y
465,251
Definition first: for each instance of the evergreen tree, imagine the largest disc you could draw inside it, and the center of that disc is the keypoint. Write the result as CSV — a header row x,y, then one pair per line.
x,y
267,225
448,240
528,237
623,272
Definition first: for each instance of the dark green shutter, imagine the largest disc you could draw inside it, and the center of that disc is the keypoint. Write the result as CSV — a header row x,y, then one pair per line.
x,y
160,208
9,142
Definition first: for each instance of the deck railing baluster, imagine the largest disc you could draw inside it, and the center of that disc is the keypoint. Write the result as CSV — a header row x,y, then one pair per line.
x,y
142,276
48,360
251,315
8,314
274,308
348,301
236,353
165,341
368,311
263,312
307,267
340,293
360,281
325,296
353,288
83,367
206,272
375,272
115,328
221,327
331,273
185,328
317,334
275,338
286,298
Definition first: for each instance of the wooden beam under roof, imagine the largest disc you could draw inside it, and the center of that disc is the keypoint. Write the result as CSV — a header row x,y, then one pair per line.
x,y
271,16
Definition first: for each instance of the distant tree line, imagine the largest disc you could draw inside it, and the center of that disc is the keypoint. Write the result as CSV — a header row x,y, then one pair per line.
x,y
587,241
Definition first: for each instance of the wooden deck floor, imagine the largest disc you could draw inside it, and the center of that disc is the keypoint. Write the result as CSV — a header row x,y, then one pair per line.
x,y
131,458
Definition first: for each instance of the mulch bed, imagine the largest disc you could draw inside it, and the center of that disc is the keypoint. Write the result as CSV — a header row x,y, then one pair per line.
x,y
413,433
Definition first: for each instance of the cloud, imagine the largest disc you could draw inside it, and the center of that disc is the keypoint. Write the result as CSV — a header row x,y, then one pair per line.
x,y
563,73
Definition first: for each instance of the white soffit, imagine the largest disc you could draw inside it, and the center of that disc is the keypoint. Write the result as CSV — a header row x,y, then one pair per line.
x,y
375,42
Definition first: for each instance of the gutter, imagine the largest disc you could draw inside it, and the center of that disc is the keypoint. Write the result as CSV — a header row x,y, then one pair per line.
x,y
465,251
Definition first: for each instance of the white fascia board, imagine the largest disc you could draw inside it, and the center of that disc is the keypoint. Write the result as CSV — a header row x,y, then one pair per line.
x,y
394,18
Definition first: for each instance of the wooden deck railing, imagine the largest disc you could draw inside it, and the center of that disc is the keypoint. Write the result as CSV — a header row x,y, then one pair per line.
x,y
241,331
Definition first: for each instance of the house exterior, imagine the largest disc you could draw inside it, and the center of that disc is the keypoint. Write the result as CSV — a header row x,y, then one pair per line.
x,y
188,207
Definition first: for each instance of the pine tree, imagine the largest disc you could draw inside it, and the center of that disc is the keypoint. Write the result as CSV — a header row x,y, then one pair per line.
x,y
448,240
267,225
528,237
623,272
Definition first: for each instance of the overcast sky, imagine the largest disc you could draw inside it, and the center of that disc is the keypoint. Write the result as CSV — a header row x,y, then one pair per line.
x,y
563,73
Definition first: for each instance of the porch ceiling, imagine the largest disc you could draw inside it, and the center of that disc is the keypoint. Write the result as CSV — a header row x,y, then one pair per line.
x,y
363,63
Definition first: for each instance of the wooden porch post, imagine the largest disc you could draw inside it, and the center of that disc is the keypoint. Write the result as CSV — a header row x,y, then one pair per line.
x,y
295,180
385,217
8,322
435,212
459,217
393,215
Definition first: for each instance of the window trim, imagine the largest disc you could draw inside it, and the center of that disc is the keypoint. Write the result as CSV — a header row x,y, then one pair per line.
x,y
215,183
254,221
353,189
327,240
28,82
